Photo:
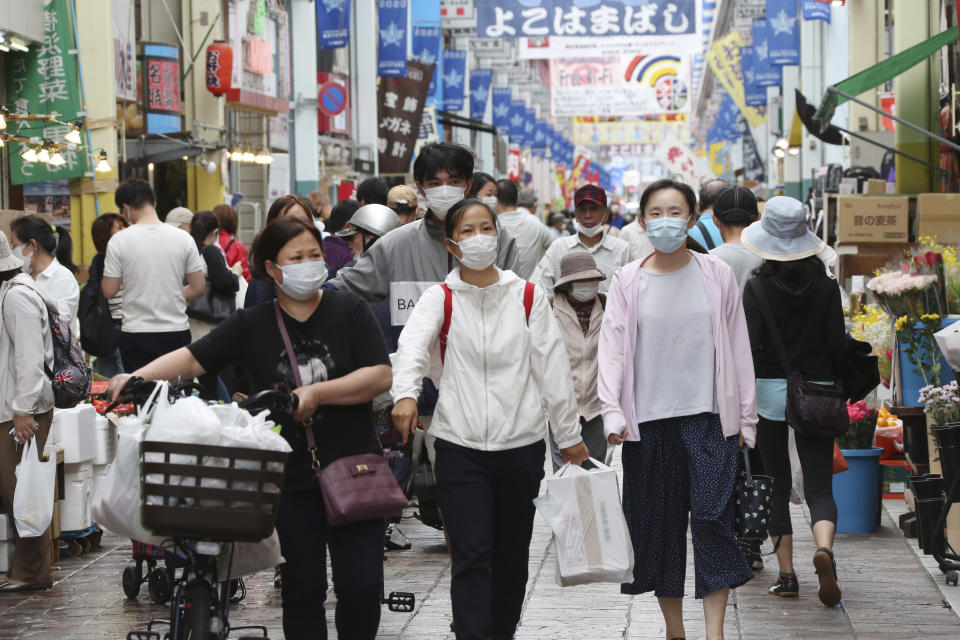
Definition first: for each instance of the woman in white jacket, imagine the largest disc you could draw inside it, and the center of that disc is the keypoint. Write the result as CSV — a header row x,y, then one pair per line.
x,y
505,354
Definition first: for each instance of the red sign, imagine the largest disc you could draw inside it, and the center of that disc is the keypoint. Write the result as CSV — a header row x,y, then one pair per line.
x,y
329,100
219,67
163,85
346,191
332,99
257,56
514,172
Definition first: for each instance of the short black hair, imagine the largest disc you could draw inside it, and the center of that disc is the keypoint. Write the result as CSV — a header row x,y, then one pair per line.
x,y
479,180
201,225
272,239
685,190
455,159
373,191
101,229
455,214
340,215
135,193
507,192
709,190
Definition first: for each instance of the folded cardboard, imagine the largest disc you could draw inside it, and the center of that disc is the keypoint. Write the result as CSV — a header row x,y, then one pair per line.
x,y
873,218
875,186
938,215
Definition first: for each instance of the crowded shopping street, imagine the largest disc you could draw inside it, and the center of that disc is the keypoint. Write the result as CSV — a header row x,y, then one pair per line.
x,y
479,319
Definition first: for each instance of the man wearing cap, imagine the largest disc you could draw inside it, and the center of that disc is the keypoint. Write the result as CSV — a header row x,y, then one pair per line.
x,y
590,209
705,231
735,210
532,236
403,200
179,217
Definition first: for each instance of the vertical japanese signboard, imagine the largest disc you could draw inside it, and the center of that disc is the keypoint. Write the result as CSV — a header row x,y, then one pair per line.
x,y
725,60
400,106
44,80
161,87
392,18
333,23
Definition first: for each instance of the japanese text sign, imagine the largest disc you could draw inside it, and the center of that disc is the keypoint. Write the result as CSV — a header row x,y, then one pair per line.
x,y
399,107
783,32
816,10
392,59
160,64
679,159
724,58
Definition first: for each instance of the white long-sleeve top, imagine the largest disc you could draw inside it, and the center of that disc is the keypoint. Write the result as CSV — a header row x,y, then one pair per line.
x,y
58,284
26,344
496,370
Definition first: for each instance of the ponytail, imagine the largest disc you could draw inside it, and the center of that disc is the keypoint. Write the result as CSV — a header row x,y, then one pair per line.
x,y
58,245
64,249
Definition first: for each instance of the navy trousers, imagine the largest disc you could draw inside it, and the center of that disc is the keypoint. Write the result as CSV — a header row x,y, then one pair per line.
x,y
682,466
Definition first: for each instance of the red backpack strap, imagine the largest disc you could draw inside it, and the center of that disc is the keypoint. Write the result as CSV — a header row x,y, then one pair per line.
x,y
528,299
447,314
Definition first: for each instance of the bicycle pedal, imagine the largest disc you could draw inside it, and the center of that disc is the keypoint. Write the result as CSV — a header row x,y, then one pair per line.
x,y
143,635
401,601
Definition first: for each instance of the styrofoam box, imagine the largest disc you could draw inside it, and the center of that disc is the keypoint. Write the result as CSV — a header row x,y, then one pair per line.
x,y
6,555
75,428
6,528
77,496
105,434
99,475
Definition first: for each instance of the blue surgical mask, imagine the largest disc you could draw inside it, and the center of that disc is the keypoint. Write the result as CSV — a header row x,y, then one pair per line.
x,y
667,234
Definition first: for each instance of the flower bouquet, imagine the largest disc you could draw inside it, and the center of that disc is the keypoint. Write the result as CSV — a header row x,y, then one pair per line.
x,y
875,326
903,293
863,423
942,404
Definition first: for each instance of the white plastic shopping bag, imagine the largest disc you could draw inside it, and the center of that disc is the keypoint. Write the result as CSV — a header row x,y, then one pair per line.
x,y
948,339
116,505
590,532
187,421
251,557
33,497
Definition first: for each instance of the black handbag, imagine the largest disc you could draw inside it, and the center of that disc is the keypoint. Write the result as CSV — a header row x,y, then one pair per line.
x,y
813,410
752,503
860,370
212,306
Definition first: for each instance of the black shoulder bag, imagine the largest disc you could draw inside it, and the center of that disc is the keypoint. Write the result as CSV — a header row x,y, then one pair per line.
x,y
813,410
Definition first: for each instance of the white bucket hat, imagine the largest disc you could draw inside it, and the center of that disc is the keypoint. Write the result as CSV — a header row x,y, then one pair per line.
x,y
8,261
782,233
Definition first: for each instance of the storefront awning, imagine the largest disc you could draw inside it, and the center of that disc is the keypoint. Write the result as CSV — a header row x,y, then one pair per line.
x,y
164,147
878,74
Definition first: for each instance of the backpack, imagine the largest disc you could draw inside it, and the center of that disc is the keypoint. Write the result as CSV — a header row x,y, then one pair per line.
x,y
70,376
98,335
448,313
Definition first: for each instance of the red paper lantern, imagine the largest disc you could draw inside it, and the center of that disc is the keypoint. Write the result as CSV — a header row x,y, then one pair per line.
x,y
219,67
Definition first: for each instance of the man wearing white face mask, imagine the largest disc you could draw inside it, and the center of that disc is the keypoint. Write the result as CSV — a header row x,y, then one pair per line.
x,y
590,202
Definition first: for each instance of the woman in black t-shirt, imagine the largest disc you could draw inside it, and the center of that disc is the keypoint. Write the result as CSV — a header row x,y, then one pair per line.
x,y
343,364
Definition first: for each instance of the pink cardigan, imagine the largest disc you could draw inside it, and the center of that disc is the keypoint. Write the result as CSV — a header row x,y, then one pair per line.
x,y
736,385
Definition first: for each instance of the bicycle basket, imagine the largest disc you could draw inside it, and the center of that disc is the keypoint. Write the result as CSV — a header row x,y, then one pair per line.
x,y
211,492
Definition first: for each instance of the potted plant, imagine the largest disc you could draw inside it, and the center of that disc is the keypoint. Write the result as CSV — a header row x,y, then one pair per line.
x,y
857,490
942,406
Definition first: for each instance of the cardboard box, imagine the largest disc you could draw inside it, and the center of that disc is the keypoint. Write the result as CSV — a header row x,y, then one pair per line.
x,y
875,186
873,219
938,215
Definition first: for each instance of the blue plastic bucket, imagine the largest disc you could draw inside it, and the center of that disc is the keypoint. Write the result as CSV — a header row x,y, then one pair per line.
x,y
911,383
857,491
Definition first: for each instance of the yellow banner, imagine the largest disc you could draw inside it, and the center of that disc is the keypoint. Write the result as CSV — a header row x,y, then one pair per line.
x,y
627,132
725,60
718,158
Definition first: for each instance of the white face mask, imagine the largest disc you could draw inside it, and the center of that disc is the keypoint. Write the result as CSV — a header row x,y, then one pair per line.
x,y
26,268
667,234
490,201
478,251
590,232
584,291
441,198
303,280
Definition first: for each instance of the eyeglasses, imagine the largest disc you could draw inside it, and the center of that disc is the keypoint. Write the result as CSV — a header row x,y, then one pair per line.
x,y
404,208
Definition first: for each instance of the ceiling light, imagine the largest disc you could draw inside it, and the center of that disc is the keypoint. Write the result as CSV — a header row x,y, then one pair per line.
x,y
30,155
779,152
102,165
248,156
18,46
794,151
4,48
43,155
56,160
4,114
236,155
150,167
783,143
73,137
1,143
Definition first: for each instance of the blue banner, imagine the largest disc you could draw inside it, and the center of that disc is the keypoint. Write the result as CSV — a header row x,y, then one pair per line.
x,y
753,165
782,32
765,74
540,139
392,21
454,78
754,94
539,18
502,97
333,23
480,80
425,45
518,117
529,127
725,128
813,10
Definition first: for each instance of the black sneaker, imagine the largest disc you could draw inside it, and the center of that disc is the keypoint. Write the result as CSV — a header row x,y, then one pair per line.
x,y
786,587
826,565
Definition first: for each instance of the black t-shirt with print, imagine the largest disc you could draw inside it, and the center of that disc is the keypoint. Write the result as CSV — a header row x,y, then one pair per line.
x,y
340,337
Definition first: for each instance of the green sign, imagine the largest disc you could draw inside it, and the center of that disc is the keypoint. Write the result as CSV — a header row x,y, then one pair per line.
x,y
44,81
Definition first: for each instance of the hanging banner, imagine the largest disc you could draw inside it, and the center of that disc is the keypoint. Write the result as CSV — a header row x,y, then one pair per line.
x,y
724,58
454,78
502,97
678,159
480,80
400,104
540,140
425,44
44,80
764,73
333,23
392,20
753,165
518,116
725,127
783,32
587,47
529,127
626,132
754,94
517,18
620,86
816,10
124,54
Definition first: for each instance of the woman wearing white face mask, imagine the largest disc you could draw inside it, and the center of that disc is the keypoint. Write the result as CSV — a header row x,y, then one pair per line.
x,y
501,352
578,307
47,258
342,364
677,388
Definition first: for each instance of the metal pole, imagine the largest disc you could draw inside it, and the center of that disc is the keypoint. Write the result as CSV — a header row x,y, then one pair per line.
x,y
910,125
899,153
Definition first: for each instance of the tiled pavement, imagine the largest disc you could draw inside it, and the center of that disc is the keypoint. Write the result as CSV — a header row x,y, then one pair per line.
x,y
887,594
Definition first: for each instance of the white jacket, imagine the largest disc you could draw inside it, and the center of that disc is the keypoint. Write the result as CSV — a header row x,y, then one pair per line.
x,y
496,368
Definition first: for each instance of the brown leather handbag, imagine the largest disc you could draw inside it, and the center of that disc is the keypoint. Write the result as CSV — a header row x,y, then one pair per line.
x,y
355,488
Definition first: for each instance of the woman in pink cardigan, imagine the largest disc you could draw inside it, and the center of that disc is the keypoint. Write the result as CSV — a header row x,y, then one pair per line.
x,y
677,388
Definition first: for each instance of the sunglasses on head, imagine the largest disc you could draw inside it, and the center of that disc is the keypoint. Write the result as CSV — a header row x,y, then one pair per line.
x,y
401,206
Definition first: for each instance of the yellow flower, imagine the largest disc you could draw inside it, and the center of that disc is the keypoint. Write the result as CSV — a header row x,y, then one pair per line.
x,y
930,317
901,323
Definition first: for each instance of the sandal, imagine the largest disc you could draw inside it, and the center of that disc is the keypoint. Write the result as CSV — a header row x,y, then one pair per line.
x,y
826,565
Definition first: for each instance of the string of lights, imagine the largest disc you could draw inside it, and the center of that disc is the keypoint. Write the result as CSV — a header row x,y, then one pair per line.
x,y
45,150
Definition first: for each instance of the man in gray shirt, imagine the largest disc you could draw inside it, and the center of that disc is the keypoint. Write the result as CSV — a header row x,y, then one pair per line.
x,y
734,210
